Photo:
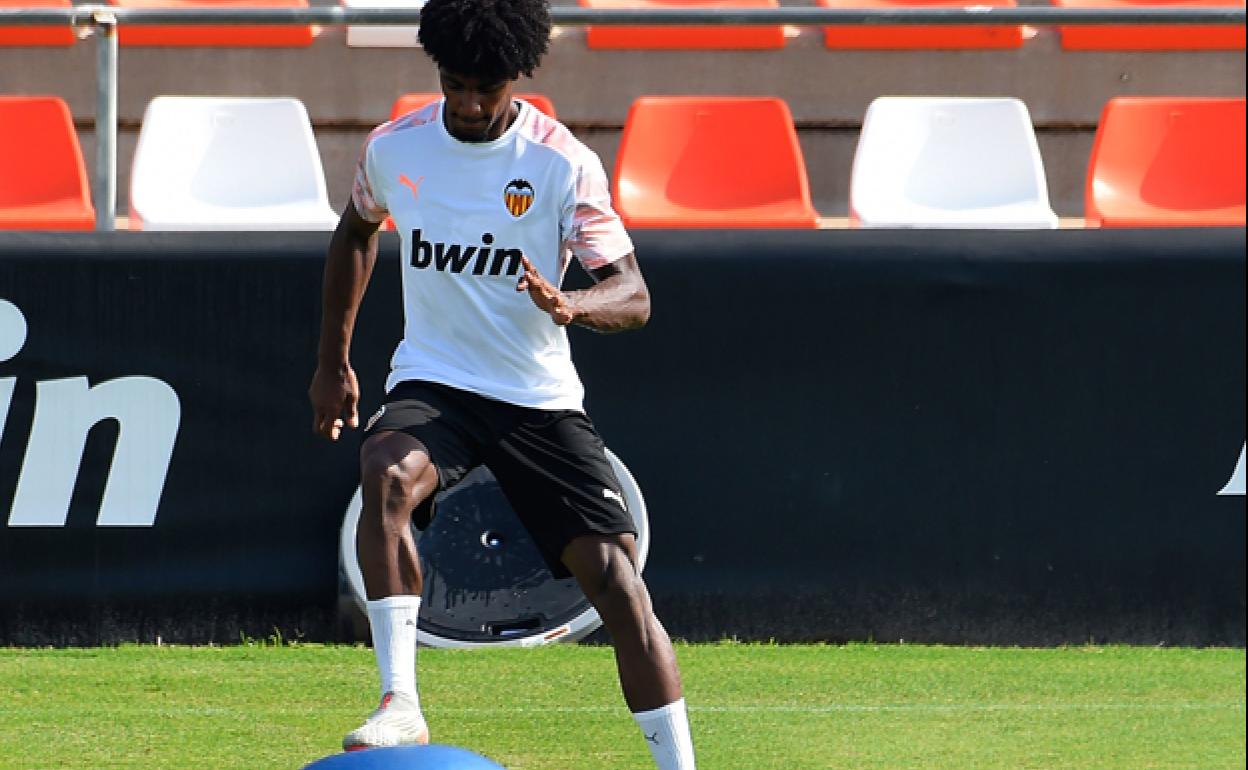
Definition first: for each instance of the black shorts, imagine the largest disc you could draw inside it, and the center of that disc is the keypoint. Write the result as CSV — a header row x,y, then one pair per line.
x,y
551,464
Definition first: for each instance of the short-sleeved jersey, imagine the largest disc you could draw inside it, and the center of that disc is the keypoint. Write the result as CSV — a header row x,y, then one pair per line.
x,y
466,212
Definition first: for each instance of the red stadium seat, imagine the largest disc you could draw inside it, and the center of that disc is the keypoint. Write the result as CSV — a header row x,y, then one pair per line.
x,y
1167,162
411,102
43,181
1150,37
33,36
908,36
232,35
707,161
683,36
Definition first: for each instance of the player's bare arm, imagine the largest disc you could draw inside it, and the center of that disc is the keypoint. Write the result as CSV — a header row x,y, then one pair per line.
x,y
618,301
334,391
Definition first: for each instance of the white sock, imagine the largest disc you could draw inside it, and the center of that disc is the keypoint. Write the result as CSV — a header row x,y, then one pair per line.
x,y
666,731
393,623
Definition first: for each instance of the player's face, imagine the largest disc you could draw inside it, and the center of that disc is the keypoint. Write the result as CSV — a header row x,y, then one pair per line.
x,y
477,109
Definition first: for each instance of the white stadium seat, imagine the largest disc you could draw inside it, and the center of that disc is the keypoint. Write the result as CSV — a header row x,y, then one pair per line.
x,y
383,35
945,162
228,163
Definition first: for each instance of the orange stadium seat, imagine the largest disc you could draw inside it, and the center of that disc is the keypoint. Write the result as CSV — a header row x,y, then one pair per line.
x,y
410,102
1150,37
32,36
43,181
707,161
232,35
1167,162
934,36
681,35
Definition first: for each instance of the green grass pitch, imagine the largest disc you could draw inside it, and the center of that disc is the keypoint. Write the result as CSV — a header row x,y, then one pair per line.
x,y
753,707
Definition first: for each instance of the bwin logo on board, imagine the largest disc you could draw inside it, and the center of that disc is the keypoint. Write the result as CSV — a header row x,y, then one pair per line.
x,y
147,411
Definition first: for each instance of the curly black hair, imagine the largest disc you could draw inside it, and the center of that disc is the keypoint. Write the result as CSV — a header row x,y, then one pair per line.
x,y
492,39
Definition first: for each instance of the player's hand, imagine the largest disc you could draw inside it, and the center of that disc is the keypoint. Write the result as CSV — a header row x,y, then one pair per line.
x,y
544,294
335,394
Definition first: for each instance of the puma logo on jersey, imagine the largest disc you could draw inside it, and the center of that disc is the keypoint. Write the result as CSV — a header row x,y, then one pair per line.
x,y
611,494
456,257
413,186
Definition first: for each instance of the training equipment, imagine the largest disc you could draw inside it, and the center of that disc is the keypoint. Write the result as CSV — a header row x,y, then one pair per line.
x,y
486,584
396,722
432,757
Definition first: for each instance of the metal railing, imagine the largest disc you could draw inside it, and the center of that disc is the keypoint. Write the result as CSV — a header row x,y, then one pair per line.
x,y
102,21
574,16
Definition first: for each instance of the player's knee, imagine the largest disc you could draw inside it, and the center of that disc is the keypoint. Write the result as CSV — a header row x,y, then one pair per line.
x,y
398,484
617,588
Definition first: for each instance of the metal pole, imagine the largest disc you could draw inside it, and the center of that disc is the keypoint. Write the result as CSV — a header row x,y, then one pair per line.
x,y
105,188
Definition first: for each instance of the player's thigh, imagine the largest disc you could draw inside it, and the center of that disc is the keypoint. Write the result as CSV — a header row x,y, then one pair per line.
x,y
421,426
604,563
554,470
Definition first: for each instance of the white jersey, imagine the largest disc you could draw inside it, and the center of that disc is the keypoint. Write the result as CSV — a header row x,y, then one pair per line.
x,y
466,212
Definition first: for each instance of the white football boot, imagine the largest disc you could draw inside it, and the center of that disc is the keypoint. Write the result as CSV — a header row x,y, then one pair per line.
x,y
398,721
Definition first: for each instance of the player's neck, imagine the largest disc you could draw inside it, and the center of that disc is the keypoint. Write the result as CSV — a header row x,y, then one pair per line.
x,y
493,134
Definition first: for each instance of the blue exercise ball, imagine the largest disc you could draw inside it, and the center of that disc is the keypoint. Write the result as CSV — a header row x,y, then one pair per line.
x,y
431,757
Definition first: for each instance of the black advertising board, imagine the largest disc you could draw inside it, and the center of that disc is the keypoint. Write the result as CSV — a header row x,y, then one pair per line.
x,y
998,437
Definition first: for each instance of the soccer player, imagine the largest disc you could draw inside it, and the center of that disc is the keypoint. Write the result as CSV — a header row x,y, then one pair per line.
x,y
492,199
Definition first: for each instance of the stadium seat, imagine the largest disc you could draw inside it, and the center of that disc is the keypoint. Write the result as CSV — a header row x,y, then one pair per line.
x,y
682,36
1167,162
36,36
908,36
948,162
383,35
1150,37
223,163
232,35
706,161
43,181
411,102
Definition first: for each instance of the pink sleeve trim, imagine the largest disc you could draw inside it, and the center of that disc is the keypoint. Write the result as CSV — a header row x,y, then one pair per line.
x,y
597,236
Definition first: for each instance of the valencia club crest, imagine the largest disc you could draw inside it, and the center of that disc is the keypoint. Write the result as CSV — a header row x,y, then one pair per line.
x,y
518,196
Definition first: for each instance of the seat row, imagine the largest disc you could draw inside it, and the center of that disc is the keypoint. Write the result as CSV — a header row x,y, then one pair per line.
x,y
221,163
929,162
894,36
733,37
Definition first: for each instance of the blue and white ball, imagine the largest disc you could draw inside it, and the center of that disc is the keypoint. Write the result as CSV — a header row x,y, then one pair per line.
x,y
431,757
